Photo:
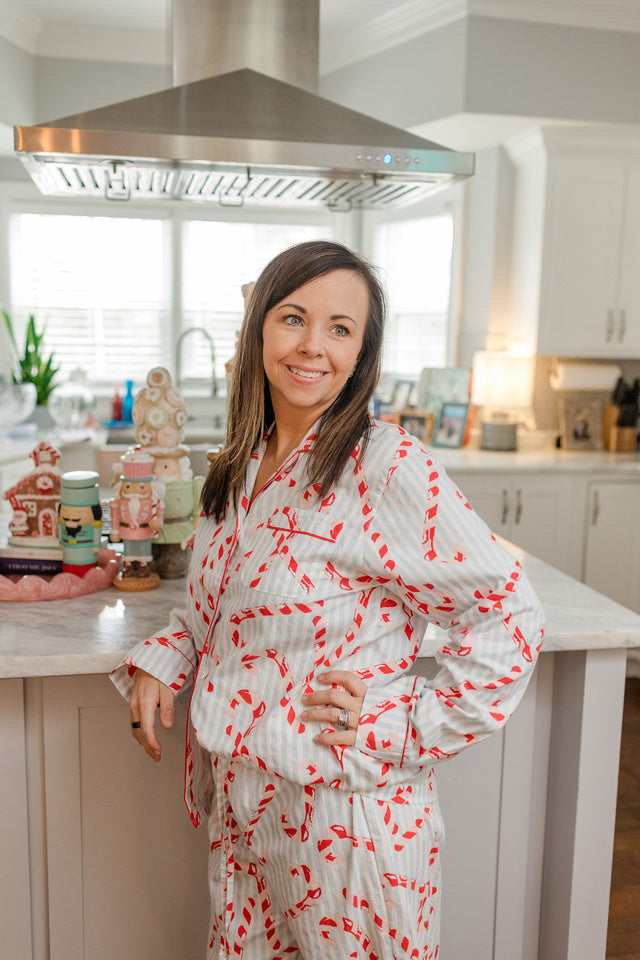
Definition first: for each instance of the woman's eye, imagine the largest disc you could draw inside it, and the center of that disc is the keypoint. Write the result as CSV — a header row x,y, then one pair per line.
x,y
340,330
292,319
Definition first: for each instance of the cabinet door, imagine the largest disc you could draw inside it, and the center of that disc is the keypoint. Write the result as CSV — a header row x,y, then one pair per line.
x,y
578,307
490,497
628,330
541,514
544,521
612,541
15,914
127,871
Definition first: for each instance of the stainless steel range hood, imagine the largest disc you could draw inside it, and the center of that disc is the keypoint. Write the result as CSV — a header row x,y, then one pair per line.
x,y
240,137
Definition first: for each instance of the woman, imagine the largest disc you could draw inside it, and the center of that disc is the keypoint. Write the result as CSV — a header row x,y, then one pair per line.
x,y
328,542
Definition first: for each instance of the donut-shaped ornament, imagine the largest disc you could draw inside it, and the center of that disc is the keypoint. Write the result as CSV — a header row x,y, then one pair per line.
x,y
159,412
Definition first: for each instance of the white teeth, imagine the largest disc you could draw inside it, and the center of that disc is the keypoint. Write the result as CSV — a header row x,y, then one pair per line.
x,y
310,374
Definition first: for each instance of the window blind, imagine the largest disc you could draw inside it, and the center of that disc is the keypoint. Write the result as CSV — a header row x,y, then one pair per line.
x,y
100,285
218,258
415,259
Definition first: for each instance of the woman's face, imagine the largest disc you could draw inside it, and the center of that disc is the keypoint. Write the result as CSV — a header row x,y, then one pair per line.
x,y
311,343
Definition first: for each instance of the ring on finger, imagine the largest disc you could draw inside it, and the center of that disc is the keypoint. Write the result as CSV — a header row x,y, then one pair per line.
x,y
343,718
135,724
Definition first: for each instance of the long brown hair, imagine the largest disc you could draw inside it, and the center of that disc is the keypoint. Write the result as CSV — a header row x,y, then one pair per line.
x,y
343,425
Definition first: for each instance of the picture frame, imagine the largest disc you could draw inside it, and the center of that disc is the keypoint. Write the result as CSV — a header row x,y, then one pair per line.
x,y
439,385
401,394
451,425
419,423
581,423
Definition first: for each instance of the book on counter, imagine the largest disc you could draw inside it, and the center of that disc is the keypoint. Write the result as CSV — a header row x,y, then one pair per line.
x,y
45,561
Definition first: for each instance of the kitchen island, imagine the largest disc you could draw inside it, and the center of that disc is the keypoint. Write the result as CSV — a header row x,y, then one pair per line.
x,y
99,856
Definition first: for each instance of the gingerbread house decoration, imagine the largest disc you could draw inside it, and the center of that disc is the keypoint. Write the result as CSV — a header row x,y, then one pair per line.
x,y
34,500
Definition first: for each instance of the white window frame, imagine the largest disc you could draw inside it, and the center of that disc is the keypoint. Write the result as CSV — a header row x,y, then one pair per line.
x,y
450,202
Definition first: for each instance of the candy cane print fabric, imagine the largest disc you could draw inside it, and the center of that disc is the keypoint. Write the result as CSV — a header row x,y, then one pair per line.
x,y
311,872
295,584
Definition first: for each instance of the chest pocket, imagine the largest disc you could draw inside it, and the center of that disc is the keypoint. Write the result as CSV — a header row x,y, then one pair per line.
x,y
294,556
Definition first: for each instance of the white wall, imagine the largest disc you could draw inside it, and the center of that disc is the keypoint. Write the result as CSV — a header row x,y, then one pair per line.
x,y
504,67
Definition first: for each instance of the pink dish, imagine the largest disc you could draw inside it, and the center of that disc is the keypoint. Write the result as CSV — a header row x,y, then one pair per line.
x,y
63,585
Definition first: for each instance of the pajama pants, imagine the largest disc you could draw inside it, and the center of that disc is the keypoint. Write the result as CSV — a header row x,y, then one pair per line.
x,y
316,872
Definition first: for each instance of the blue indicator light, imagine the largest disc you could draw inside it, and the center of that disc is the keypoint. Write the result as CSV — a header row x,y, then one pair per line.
x,y
387,158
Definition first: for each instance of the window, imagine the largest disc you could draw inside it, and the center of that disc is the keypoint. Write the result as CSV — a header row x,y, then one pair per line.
x,y
115,292
218,258
102,286
415,257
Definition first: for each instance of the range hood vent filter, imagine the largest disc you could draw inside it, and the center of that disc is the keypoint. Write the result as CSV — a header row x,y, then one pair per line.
x,y
161,180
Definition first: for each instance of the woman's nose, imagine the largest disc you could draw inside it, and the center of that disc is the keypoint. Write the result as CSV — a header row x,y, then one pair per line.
x,y
311,342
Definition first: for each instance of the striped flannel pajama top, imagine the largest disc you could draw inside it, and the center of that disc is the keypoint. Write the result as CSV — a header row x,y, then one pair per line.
x,y
318,850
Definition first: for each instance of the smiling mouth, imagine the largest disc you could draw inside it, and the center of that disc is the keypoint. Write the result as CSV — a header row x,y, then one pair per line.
x,y
307,374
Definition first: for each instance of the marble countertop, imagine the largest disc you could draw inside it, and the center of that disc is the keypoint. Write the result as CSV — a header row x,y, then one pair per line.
x,y
17,449
91,634
538,461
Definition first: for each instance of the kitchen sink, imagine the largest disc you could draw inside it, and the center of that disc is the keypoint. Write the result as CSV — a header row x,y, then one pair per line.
x,y
196,431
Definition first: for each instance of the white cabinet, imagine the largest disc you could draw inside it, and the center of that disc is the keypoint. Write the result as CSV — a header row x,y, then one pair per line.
x,y
540,513
127,873
576,282
15,911
612,541
590,296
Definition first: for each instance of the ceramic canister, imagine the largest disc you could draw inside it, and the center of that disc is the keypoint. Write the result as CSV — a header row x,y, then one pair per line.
x,y
79,520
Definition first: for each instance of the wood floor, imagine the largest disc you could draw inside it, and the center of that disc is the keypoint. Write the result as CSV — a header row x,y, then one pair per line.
x,y
623,940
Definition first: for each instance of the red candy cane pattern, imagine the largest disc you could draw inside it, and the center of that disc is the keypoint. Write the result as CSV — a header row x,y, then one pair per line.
x,y
296,584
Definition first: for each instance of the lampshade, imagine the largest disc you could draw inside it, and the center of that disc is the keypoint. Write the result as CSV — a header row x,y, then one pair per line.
x,y
502,381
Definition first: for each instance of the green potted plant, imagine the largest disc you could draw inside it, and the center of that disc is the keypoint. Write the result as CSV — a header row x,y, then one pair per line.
x,y
33,366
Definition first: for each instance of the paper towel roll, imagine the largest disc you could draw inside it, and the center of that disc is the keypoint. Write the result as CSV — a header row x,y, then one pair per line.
x,y
584,376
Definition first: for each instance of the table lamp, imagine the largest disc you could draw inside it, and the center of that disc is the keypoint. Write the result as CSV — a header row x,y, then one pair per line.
x,y
502,384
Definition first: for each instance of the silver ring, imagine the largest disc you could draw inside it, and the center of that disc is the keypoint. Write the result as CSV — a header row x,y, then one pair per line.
x,y
343,718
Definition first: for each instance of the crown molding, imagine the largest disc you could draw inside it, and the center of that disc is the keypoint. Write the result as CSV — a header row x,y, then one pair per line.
x,y
402,22
407,20
19,25
115,45
620,15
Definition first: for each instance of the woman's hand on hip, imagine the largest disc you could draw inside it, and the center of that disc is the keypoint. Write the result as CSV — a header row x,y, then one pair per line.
x,y
148,696
346,692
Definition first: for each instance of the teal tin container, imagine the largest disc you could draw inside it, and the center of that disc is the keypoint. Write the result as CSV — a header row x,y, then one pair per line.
x,y
79,521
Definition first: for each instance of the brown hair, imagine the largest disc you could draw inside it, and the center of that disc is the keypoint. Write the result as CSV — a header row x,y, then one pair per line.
x,y
343,425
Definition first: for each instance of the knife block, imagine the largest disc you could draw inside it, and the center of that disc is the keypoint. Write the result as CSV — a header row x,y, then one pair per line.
x,y
609,418
623,439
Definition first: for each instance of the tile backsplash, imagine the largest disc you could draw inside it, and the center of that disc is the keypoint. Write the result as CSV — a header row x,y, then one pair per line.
x,y
545,400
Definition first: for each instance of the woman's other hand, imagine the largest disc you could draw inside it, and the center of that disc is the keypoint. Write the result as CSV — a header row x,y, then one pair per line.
x,y
346,692
148,695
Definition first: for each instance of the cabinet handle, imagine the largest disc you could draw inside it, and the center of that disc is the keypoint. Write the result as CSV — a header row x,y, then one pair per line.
x,y
505,507
623,326
595,511
518,505
611,325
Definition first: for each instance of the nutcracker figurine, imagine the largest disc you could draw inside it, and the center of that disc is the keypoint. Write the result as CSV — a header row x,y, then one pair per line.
x,y
181,511
159,417
136,517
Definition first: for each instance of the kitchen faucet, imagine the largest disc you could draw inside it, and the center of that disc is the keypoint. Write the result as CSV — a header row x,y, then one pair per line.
x,y
205,333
